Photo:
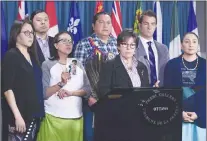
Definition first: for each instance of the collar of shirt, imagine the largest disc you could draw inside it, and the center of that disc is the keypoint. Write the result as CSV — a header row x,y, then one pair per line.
x,y
144,41
146,46
134,63
42,40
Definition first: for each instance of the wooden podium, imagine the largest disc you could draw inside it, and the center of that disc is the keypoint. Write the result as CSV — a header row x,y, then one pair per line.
x,y
139,114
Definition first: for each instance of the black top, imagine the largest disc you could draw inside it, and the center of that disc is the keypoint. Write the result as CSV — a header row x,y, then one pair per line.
x,y
18,75
188,76
113,74
196,102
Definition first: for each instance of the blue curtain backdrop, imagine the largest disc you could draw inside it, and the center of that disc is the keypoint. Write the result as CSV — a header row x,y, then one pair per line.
x,y
86,9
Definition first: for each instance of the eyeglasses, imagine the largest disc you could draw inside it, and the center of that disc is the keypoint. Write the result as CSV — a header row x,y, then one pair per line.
x,y
125,45
65,41
28,33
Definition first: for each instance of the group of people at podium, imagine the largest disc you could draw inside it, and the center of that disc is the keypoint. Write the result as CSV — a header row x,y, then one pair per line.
x,y
43,88
144,62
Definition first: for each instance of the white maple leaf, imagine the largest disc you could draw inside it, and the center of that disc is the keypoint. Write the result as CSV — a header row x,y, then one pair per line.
x,y
76,22
71,21
75,30
73,25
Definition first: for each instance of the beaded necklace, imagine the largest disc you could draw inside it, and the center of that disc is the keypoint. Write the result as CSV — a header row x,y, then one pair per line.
x,y
187,67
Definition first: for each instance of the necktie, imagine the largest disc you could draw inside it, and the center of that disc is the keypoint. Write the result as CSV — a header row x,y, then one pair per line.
x,y
153,74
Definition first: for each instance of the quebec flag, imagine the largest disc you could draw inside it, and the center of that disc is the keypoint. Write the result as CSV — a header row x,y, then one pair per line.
x,y
74,24
192,22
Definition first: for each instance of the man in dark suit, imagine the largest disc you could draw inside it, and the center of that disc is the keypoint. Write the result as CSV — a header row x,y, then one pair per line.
x,y
44,43
153,54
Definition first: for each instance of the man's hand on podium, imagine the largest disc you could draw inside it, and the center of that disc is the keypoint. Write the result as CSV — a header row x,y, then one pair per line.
x,y
156,84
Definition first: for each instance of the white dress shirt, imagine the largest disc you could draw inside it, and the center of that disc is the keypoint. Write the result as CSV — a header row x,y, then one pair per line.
x,y
44,45
144,43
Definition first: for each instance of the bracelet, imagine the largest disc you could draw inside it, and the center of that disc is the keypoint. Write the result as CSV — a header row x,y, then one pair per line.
x,y
60,84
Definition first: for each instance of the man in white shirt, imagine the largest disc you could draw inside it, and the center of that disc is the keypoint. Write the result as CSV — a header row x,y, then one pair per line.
x,y
153,54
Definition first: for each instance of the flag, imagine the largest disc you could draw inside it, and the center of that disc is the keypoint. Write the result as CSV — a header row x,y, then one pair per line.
x,y
158,32
4,40
51,12
137,16
22,8
99,7
116,19
192,23
175,42
74,24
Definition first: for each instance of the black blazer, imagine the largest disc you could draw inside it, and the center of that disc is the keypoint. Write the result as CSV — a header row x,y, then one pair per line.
x,y
113,74
39,51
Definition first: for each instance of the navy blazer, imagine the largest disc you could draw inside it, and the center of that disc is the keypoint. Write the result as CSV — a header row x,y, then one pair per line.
x,y
113,74
197,102
39,51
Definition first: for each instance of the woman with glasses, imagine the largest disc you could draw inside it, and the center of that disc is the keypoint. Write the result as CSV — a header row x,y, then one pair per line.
x,y
189,72
64,84
21,84
124,70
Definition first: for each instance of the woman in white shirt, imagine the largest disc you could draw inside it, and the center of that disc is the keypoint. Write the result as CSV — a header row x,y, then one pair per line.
x,y
64,84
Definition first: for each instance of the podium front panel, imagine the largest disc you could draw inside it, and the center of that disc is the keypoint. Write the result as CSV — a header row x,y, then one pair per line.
x,y
139,114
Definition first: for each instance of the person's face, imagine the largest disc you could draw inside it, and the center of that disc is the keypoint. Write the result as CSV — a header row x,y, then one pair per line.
x,y
41,22
102,26
64,44
74,63
190,44
26,36
127,48
147,27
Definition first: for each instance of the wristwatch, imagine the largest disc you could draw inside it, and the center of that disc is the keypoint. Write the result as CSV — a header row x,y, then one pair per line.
x,y
60,84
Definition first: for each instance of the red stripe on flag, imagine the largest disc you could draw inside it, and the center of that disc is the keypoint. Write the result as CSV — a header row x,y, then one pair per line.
x,y
119,11
19,6
20,10
115,24
116,19
51,11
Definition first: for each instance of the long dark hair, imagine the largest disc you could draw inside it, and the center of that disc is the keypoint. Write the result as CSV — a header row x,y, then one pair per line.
x,y
96,16
15,31
55,40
